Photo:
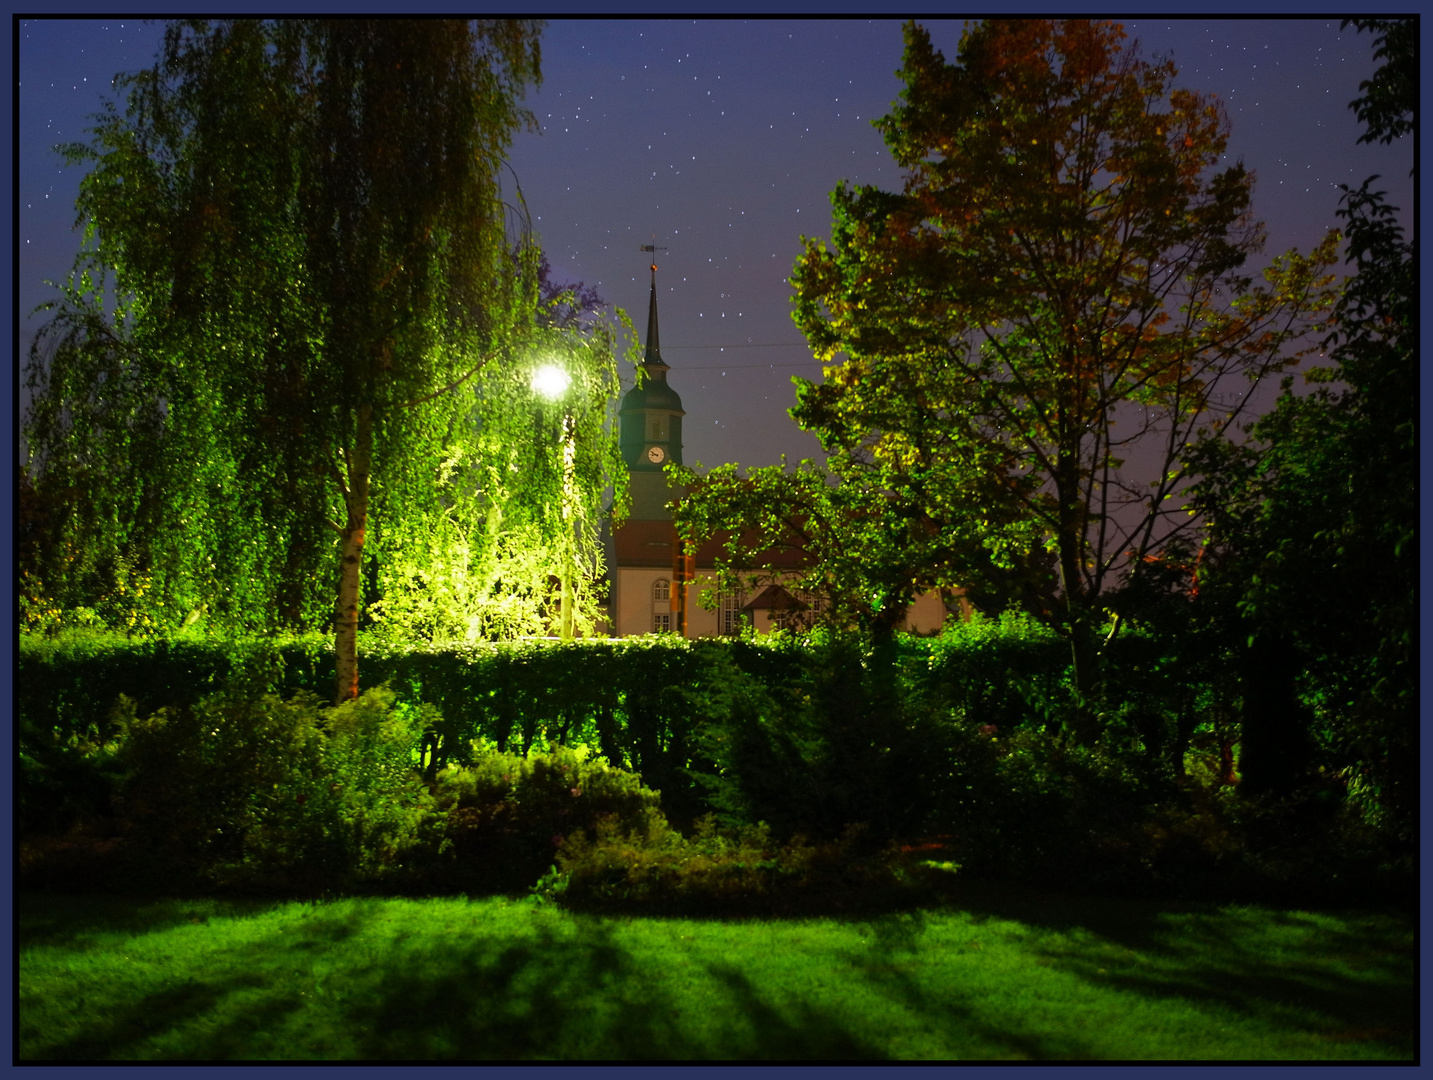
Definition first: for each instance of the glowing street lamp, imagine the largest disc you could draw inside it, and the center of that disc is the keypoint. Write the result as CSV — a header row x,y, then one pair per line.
x,y
551,382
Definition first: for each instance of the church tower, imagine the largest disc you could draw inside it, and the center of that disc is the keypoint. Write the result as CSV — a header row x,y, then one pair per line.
x,y
650,575
651,427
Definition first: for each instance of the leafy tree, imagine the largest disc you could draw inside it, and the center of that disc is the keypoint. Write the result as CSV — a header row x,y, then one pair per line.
x,y
858,560
1314,517
863,555
1388,105
1049,310
303,313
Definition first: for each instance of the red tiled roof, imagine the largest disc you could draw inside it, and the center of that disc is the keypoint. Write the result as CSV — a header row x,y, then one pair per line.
x,y
645,543
652,543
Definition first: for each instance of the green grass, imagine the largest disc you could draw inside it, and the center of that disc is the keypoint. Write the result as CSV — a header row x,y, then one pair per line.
x,y
1001,974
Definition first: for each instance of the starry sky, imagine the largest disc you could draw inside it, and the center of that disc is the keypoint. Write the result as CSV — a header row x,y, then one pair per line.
x,y
720,141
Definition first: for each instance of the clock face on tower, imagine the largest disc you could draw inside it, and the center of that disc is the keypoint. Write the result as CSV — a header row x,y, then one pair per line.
x,y
655,454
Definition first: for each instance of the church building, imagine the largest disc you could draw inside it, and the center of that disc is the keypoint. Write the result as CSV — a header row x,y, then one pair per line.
x,y
651,588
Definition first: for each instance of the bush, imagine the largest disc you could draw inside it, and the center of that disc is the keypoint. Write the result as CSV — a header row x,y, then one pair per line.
x,y
61,780
506,815
361,811
1034,808
244,789
222,768
620,698
803,735
1311,848
1010,672
650,867
66,689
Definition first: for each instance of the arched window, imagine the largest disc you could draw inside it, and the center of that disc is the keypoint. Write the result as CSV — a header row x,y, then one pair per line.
x,y
661,590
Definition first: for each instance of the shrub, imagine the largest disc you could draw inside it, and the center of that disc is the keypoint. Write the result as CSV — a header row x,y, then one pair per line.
x,y
812,742
1039,810
245,789
221,766
506,815
1309,848
360,810
61,779
650,867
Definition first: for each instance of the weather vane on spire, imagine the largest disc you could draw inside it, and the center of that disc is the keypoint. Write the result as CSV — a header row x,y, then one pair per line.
x,y
653,248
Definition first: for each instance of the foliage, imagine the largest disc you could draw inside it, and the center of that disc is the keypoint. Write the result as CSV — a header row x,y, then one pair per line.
x,y
995,672
651,867
963,751
1050,308
306,311
250,789
804,736
1387,104
1315,516
1042,811
621,698
507,815
843,548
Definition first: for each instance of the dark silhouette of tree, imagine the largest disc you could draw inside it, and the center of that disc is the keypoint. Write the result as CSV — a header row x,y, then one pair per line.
x,y
1026,336
1315,517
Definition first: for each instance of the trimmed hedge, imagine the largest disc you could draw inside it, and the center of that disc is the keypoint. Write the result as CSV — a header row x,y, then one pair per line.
x,y
491,754
638,702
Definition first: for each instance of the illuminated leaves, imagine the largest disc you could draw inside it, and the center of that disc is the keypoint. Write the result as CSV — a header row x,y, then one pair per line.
x,y
320,322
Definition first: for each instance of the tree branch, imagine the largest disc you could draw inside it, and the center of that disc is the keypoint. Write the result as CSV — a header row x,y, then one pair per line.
x,y
445,389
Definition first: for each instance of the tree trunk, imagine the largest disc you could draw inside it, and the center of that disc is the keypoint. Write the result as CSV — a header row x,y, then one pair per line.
x,y
1084,655
883,684
1070,536
351,560
1274,724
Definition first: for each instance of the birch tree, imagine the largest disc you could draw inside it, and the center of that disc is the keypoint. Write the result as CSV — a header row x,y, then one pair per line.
x,y
306,299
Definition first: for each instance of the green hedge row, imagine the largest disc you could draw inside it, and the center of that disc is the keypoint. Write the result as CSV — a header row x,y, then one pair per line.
x,y
638,702
626,697
955,740
500,689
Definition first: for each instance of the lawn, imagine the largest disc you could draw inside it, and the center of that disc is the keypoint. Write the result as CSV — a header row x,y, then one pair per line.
x,y
999,974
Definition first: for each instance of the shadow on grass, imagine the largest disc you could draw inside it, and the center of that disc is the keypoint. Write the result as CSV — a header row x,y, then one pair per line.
x,y
131,1024
550,996
808,1034
888,964
559,991
523,984
50,918
1350,978
578,997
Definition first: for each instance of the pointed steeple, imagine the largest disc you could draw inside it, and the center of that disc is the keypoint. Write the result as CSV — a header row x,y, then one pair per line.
x,y
653,358
651,420
654,345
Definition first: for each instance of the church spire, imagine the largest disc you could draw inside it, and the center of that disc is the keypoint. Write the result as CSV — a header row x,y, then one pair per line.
x,y
654,345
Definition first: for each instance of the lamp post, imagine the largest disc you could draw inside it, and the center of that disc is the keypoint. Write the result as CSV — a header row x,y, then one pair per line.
x,y
551,382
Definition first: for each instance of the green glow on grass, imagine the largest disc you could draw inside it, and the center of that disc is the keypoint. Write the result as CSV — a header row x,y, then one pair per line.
x,y
502,979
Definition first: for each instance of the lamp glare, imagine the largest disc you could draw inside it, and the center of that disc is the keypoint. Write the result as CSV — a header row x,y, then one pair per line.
x,y
550,381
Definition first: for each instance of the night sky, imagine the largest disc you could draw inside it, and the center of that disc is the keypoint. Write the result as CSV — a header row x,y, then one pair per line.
x,y
720,141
